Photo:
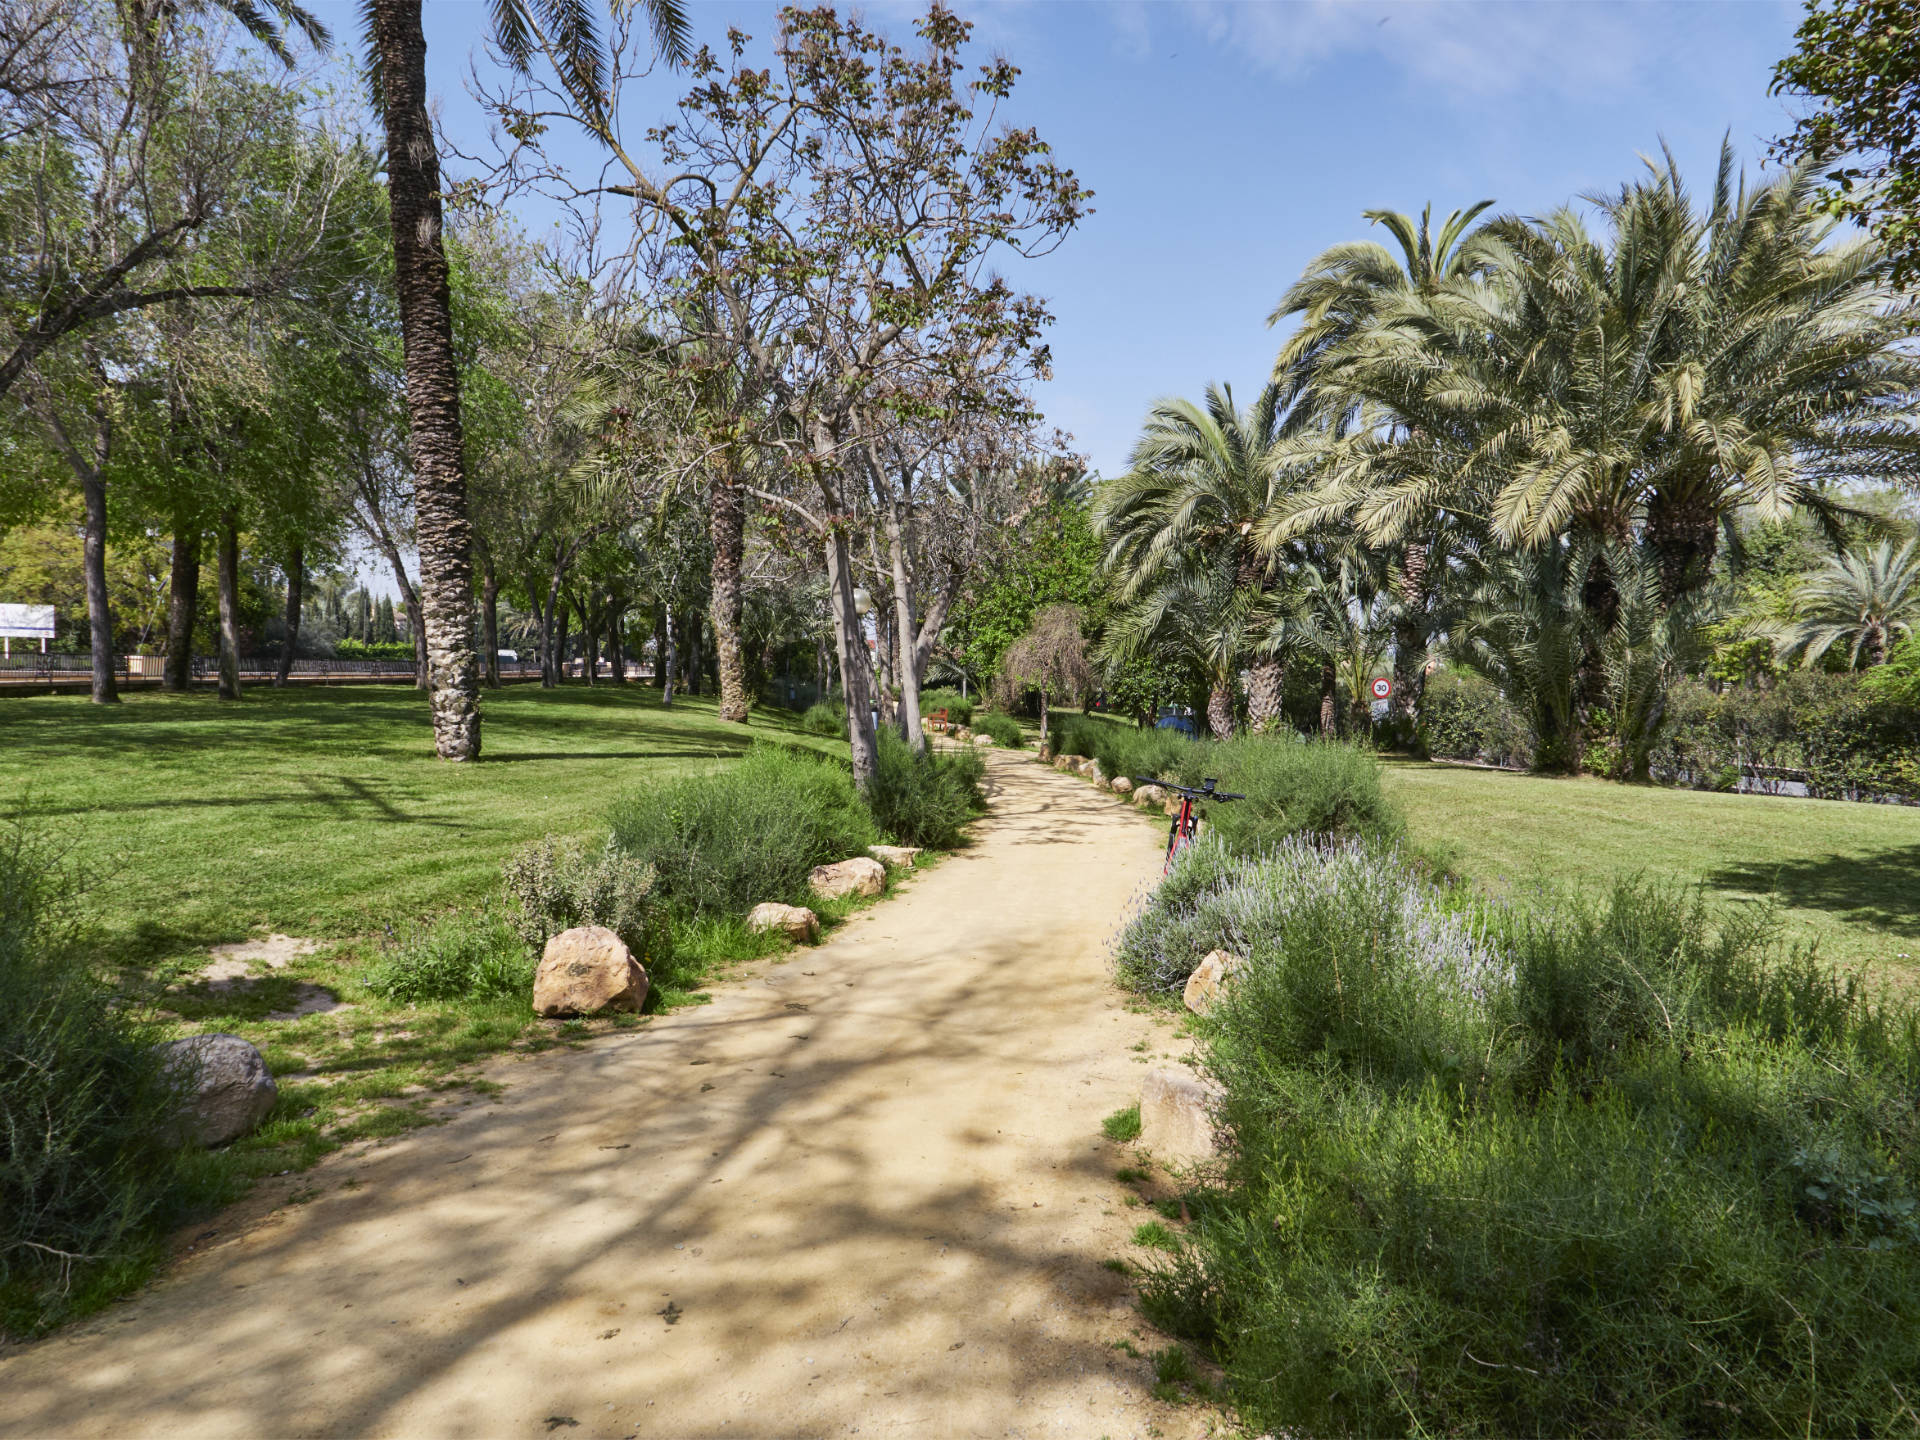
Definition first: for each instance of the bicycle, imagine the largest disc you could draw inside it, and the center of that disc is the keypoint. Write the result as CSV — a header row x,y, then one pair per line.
x,y
1186,821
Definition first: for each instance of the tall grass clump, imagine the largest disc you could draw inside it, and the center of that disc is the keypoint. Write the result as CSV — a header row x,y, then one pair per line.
x,y
721,843
1575,1167
822,718
1323,788
90,1172
1004,729
460,956
925,798
1120,749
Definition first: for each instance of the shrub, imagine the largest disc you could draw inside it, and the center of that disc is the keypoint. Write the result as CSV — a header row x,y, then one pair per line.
x,y
1315,787
1580,1167
1120,749
924,798
1004,729
459,956
89,1179
824,719
555,884
959,708
1463,716
721,843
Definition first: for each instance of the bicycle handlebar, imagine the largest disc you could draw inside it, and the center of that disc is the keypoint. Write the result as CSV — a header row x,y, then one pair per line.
x,y
1205,792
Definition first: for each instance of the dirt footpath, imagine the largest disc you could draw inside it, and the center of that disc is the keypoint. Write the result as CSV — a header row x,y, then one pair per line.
x,y
863,1192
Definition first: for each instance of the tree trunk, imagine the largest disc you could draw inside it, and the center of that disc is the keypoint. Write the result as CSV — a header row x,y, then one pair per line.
x,y
1683,532
563,621
668,657
617,643
853,670
489,612
228,571
1410,647
691,622
417,632
726,525
183,604
907,637
590,638
1266,686
1329,692
296,575
1220,710
93,488
660,648
443,533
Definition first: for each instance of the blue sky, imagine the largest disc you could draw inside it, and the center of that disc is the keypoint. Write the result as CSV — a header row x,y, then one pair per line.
x,y
1229,143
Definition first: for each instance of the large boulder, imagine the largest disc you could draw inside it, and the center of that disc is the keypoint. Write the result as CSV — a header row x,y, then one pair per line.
x,y
1177,1111
983,739
1148,795
587,970
1090,768
1064,763
1122,785
861,875
1208,979
796,922
899,856
224,1086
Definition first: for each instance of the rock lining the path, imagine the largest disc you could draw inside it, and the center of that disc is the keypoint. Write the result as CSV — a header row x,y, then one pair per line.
x,y
225,1086
1209,978
796,922
862,875
902,856
1177,1111
586,971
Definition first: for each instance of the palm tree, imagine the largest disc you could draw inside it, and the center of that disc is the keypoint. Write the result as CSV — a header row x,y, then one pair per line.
x,y
397,54
1199,481
1867,601
1345,292
1198,613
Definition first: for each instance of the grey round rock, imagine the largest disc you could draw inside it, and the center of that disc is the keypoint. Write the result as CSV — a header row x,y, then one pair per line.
x,y
224,1084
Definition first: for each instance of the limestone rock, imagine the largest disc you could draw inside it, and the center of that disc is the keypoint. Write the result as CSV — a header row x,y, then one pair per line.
x,y
1149,795
962,732
586,970
796,922
983,739
1064,763
858,876
1176,1116
1090,768
1208,978
901,856
225,1087
1122,785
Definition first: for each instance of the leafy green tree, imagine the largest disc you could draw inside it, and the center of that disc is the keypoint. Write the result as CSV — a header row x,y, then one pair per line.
x,y
1859,62
1199,480
1051,558
1865,601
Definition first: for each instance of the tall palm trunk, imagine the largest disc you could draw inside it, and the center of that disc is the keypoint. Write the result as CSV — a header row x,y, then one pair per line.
x,y
296,574
442,530
1329,709
183,604
726,524
228,570
1220,709
660,648
1409,646
666,657
1266,687
1683,532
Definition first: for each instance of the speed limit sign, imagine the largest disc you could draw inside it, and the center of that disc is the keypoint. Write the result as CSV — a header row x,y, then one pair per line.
x,y
1382,688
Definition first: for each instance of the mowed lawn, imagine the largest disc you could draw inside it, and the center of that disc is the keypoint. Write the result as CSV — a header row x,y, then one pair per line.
x,y
1845,875
322,812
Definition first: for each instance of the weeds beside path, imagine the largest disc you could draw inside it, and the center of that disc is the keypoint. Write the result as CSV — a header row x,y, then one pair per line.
x,y
865,1186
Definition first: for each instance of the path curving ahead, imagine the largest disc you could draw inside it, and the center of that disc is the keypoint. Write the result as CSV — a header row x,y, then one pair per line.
x,y
866,1186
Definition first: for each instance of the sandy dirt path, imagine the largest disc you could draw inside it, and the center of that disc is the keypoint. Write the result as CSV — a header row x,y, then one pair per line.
x,y
863,1192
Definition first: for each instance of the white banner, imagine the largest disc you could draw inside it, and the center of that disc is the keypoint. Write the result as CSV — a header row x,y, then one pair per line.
x,y
31,622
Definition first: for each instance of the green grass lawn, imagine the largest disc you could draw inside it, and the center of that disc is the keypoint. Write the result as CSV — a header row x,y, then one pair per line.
x,y
1845,875
323,812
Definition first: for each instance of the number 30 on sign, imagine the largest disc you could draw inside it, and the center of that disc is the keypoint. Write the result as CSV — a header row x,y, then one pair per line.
x,y
1382,688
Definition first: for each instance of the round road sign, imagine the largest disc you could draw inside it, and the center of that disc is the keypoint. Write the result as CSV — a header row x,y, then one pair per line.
x,y
1382,688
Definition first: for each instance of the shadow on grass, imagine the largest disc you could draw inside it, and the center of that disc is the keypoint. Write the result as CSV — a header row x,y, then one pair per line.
x,y
1881,890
